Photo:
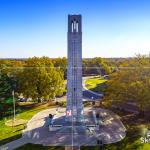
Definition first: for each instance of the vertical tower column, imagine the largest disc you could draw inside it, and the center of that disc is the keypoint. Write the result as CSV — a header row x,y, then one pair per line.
x,y
74,73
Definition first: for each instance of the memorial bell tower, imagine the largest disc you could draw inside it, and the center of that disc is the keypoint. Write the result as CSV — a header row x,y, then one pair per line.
x,y
74,110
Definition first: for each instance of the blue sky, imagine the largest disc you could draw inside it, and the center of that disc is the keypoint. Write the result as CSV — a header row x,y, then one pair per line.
x,y
111,28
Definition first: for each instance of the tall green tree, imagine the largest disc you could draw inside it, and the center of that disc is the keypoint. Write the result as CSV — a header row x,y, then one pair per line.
x,y
5,84
40,79
97,66
131,82
6,87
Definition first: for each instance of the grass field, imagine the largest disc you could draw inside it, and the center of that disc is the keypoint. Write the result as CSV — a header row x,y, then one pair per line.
x,y
8,133
95,84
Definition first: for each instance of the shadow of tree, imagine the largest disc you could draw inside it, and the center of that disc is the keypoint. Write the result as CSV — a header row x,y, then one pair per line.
x,y
39,147
7,140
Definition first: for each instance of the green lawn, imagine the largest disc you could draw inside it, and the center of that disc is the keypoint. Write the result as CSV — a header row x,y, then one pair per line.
x,y
11,133
95,84
145,147
130,142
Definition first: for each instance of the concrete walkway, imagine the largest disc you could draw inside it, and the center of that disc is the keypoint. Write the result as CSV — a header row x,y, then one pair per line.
x,y
110,130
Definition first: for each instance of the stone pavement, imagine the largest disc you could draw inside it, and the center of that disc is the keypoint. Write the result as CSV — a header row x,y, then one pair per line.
x,y
109,130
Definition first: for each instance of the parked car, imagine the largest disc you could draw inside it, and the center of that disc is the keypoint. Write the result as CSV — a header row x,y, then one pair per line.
x,y
22,99
107,77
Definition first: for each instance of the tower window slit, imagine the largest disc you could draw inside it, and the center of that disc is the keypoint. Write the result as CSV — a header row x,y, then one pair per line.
x,y
77,27
72,26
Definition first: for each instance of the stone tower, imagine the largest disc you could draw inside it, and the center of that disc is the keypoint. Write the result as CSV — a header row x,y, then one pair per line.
x,y
74,111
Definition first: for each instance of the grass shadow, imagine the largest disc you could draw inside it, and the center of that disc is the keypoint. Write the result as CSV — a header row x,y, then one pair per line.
x,y
38,147
10,139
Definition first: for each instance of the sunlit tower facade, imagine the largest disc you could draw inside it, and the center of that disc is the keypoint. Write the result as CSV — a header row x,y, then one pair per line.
x,y
74,110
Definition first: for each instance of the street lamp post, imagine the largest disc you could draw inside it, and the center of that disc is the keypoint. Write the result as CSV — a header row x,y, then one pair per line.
x,y
14,110
14,116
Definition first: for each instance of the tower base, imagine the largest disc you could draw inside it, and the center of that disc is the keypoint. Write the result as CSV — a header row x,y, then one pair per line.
x,y
74,115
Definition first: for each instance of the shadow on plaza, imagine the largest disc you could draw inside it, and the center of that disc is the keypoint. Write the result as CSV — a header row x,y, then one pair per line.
x,y
61,137
43,137
78,135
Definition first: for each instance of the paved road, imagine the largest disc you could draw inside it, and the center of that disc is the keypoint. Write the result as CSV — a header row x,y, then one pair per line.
x,y
88,95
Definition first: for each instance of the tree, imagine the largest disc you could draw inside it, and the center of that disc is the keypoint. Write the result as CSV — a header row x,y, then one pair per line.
x,y
5,84
131,82
61,63
6,87
40,79
97,66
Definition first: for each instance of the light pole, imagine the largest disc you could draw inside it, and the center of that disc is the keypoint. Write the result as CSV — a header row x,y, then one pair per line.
x,y
14,116
14,112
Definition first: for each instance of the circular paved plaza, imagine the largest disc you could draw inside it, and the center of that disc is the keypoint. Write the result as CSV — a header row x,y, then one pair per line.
x,y
99,124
